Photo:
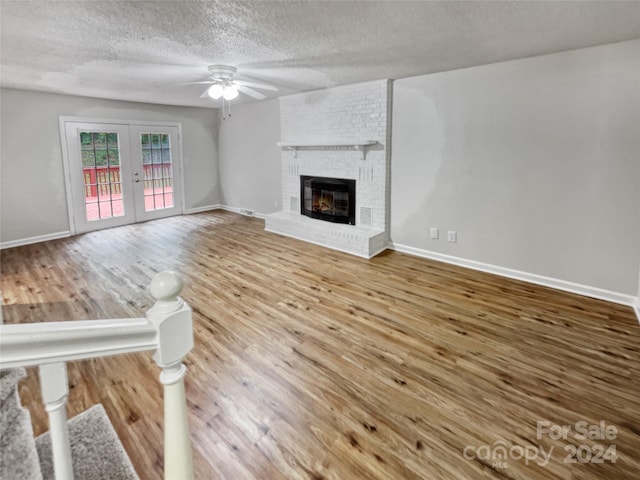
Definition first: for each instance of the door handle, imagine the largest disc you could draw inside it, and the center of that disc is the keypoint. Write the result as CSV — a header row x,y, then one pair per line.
x,y
137,180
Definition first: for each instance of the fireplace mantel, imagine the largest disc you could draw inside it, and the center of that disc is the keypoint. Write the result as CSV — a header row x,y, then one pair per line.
x,y
360,145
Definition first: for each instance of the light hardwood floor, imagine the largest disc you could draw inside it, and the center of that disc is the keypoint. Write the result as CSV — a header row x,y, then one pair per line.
x,y
313,364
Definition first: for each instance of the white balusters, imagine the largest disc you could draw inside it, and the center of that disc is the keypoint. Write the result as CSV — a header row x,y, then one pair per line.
x,y
55,391
177,445
172,318
166,328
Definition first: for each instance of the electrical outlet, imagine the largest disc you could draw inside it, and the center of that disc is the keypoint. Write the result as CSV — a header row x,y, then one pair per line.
x,y
452,236
435,233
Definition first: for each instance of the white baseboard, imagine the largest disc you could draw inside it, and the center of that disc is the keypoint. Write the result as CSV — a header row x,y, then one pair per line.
x,y
558,284
219,206
37,239
247,212
636,308
206,208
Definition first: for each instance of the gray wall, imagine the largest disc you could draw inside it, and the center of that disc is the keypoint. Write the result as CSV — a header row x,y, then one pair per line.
x,y
33,197
534,162
250,172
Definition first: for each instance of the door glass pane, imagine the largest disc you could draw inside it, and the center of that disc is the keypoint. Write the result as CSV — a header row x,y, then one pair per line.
x,y
101,175
100,140
114,157
158,174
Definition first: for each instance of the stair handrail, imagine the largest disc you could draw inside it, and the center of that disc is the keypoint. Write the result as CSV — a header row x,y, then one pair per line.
x,y
31,344
167,328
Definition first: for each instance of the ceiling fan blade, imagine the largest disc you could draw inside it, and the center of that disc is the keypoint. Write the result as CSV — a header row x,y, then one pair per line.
x,y
262,86
250,91
197,83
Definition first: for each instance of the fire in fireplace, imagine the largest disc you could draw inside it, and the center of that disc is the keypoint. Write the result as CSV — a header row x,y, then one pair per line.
x,y
329,199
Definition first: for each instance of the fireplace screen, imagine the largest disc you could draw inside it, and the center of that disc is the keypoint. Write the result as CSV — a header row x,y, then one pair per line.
x,y
330,199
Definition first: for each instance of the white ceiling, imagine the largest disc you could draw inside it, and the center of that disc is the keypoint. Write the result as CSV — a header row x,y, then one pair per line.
x,y
142,51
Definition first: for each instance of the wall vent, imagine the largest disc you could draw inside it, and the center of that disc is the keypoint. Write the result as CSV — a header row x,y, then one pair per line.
x,y
365,216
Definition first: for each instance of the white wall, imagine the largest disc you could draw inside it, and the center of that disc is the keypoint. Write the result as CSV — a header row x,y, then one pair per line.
x,y
534,162
33,197
249,158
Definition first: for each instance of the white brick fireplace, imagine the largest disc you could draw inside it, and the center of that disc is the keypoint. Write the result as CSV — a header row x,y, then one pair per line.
x,y
341,132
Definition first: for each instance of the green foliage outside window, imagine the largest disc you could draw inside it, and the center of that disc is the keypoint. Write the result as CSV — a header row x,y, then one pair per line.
x,y
155,148
99,149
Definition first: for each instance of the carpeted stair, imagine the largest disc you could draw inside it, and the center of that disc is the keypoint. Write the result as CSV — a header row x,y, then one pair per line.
x,y
18,455
96,451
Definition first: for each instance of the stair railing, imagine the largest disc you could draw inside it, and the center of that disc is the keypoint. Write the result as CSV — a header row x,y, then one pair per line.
x,y
166,329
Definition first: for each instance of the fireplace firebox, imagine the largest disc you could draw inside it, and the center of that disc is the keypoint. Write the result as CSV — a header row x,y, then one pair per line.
x,y
329,199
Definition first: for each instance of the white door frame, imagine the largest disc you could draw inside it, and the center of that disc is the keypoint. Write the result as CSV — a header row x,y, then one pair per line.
x,y
63,119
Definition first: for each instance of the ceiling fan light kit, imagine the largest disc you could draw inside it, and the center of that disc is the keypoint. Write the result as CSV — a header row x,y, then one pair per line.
x,y
225,86
215,91
229,92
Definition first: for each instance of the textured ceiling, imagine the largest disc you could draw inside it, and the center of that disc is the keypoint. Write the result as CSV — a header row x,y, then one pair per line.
x,y
142,51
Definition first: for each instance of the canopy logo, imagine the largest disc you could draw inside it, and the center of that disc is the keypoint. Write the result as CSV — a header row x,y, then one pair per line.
x,y
498,454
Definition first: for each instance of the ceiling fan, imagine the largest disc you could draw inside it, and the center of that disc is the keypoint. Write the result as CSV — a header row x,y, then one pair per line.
x,y
224,84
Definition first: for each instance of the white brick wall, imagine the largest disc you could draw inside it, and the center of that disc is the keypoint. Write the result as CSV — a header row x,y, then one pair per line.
x,y
364,242
343,114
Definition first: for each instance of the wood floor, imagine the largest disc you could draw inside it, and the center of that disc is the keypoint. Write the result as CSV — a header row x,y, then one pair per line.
x,y
313,364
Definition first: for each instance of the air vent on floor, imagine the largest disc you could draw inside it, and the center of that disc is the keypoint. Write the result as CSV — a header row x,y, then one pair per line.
x,y
293,206
365,216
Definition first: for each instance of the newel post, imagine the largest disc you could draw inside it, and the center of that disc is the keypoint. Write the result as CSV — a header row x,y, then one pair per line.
x,y
172,318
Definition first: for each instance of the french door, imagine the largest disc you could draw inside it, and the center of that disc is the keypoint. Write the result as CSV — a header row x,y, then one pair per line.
x,y
121,173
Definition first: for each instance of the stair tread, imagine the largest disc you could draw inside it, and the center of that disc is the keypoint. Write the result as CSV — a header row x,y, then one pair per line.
x,y
96,451
18,456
